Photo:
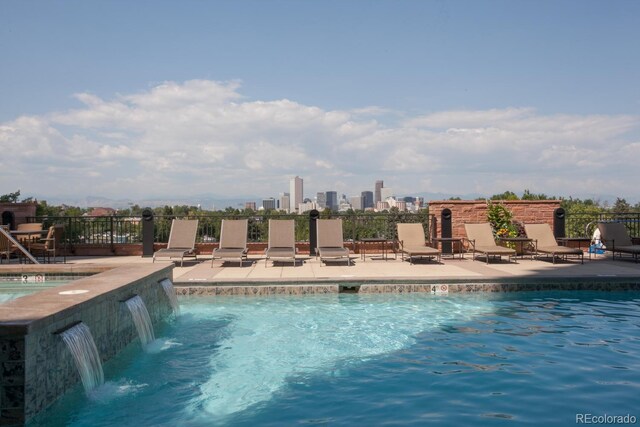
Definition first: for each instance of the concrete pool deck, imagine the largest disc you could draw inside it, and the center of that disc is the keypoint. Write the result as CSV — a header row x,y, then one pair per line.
x,y
310,271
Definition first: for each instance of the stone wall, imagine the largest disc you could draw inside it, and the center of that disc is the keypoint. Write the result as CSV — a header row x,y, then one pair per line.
x,y
37,367
474,211
21,211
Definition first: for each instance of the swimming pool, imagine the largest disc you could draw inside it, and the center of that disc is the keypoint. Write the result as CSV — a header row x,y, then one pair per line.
x,y
408,359
10,290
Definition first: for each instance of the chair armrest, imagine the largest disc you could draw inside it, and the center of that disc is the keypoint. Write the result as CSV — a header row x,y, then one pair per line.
x,y
471,242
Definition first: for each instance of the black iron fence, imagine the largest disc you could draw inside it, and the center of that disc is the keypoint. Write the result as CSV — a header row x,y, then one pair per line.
x,y
112,230
584,224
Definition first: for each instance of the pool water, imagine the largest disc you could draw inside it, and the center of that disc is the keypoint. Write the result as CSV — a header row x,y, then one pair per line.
x,y
10,290
344,360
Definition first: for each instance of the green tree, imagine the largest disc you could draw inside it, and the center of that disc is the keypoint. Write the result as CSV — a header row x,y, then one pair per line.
x,y
527,195
580,214
507,195
10,198
621,206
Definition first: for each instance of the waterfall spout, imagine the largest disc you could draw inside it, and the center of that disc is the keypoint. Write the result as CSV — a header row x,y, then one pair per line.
x,y
171,293
141,319
85,354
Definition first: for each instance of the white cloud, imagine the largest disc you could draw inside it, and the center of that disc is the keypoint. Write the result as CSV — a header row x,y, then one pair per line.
x,y
475,119
204,137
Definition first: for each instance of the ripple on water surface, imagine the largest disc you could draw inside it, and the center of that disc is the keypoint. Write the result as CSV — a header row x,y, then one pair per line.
x,y
484,359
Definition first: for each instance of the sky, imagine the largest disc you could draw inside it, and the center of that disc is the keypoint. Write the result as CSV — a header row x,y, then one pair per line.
x,y
230,99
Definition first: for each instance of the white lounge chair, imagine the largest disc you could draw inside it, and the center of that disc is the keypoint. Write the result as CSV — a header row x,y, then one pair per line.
x,y
482,241
233,241
545,243
616,238
413,243
330,240
182,240
282,240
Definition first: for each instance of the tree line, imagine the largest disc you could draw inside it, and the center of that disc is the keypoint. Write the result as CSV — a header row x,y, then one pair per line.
x,y
570,204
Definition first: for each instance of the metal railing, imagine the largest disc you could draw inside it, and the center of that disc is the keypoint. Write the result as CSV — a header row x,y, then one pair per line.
x,y
113,230
584,224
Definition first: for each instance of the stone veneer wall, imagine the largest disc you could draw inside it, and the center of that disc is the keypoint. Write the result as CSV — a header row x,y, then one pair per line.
x,y
21,211
474,211
36,366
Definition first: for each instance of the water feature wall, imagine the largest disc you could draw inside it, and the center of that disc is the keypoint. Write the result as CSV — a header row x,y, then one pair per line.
x,y
36,367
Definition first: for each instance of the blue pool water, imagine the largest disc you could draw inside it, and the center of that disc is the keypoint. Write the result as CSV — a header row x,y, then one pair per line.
x,y
10,290
344,360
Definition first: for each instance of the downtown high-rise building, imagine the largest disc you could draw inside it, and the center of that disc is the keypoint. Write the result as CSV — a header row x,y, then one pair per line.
x,y
285,201
367,199
321,200
332,200
377,194
296,194
357,203
269,204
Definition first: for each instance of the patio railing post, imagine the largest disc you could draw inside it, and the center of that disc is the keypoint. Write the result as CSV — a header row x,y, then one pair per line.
x,y
313,231
111,222
559,223
147,232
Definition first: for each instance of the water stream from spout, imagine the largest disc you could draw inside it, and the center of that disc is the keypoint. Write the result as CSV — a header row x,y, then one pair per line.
x,y
167,285
85,354
141,320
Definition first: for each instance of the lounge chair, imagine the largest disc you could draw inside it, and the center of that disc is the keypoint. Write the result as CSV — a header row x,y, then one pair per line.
x,y
182,240
282,240
330,241
47,246
233,241
482,241
413,243
615,237
545,243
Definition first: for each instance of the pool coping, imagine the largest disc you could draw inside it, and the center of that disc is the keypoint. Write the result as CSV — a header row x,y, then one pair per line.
x,y
430,285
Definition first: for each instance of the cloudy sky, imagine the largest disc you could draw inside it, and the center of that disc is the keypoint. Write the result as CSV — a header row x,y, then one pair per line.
x,y
162,99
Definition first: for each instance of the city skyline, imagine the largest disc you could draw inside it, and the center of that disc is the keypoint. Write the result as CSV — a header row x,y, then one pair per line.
x,y
329,200
444,97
